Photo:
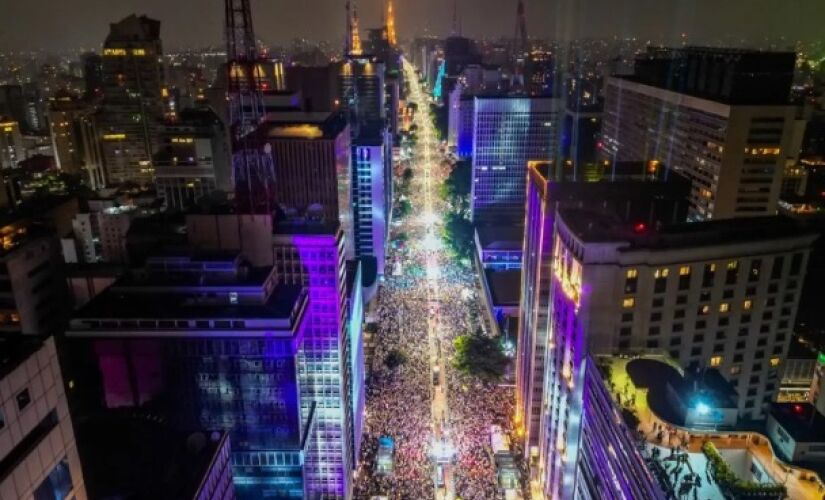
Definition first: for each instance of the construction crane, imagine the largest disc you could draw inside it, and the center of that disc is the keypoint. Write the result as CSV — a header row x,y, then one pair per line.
x,y
253,172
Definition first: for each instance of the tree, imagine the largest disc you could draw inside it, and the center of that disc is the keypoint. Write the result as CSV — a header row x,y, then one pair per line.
x,y
456,188
458,235
394,359
403,209
439,114
479,356
407,175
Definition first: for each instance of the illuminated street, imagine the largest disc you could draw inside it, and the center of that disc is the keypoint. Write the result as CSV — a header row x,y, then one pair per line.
x,y
438,418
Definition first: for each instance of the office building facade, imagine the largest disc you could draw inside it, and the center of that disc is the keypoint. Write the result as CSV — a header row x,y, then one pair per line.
x,y
720,295
12,151
595,444
132,106
311,153
721,117
551,186
193,159
507,133
315,257
370,203
37,442
215,342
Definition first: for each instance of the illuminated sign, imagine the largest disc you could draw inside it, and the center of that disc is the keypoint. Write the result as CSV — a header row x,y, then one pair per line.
x,y
114,137
114,52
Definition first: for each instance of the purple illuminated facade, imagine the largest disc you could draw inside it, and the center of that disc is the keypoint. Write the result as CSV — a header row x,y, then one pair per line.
x,y
314,256
585,448
533,310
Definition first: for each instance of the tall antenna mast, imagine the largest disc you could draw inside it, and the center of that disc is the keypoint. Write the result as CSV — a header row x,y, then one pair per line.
x,y
253,173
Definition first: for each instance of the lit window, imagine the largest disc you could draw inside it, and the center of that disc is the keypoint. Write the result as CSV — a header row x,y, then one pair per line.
x,y
735,370
713,268
724,307
632,273
747,305
775,362
684,271
628,302
660,273
704,309
716,361
733,264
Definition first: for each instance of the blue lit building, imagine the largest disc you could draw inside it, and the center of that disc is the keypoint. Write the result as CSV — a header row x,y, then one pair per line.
x,y
508,132
211,342
371,194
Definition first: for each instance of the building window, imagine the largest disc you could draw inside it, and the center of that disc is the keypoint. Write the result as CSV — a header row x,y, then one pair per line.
x,y
796,264
23,399
631,281
776,270
747,305
756,266
628,302
660,273
732,272
684,271
724,307
716,361
775,361
705,309
708,275
735,370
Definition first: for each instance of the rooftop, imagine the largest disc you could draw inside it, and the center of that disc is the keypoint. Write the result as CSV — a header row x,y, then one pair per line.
x,y
505,286
595,227
15,349
119,303
800,420
304,124
498,237
127,455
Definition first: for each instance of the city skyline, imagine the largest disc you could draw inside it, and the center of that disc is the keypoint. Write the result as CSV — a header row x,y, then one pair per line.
x,y
83,23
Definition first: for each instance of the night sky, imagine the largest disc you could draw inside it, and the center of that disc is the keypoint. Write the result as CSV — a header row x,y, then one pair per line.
x,y
56,24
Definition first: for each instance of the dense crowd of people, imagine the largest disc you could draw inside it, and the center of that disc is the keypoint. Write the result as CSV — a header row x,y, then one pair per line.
x,y
398,398
400,395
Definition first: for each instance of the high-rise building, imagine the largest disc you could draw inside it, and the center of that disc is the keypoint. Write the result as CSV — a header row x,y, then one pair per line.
x,y
598,444
39,453
581,137
721,295
313,255
132,106
13,104
371,195
193,159
329,364
507,133
65,113
94,171
213,342
721,117
550,187
33,291
361,91
12,150
312,154
92,75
